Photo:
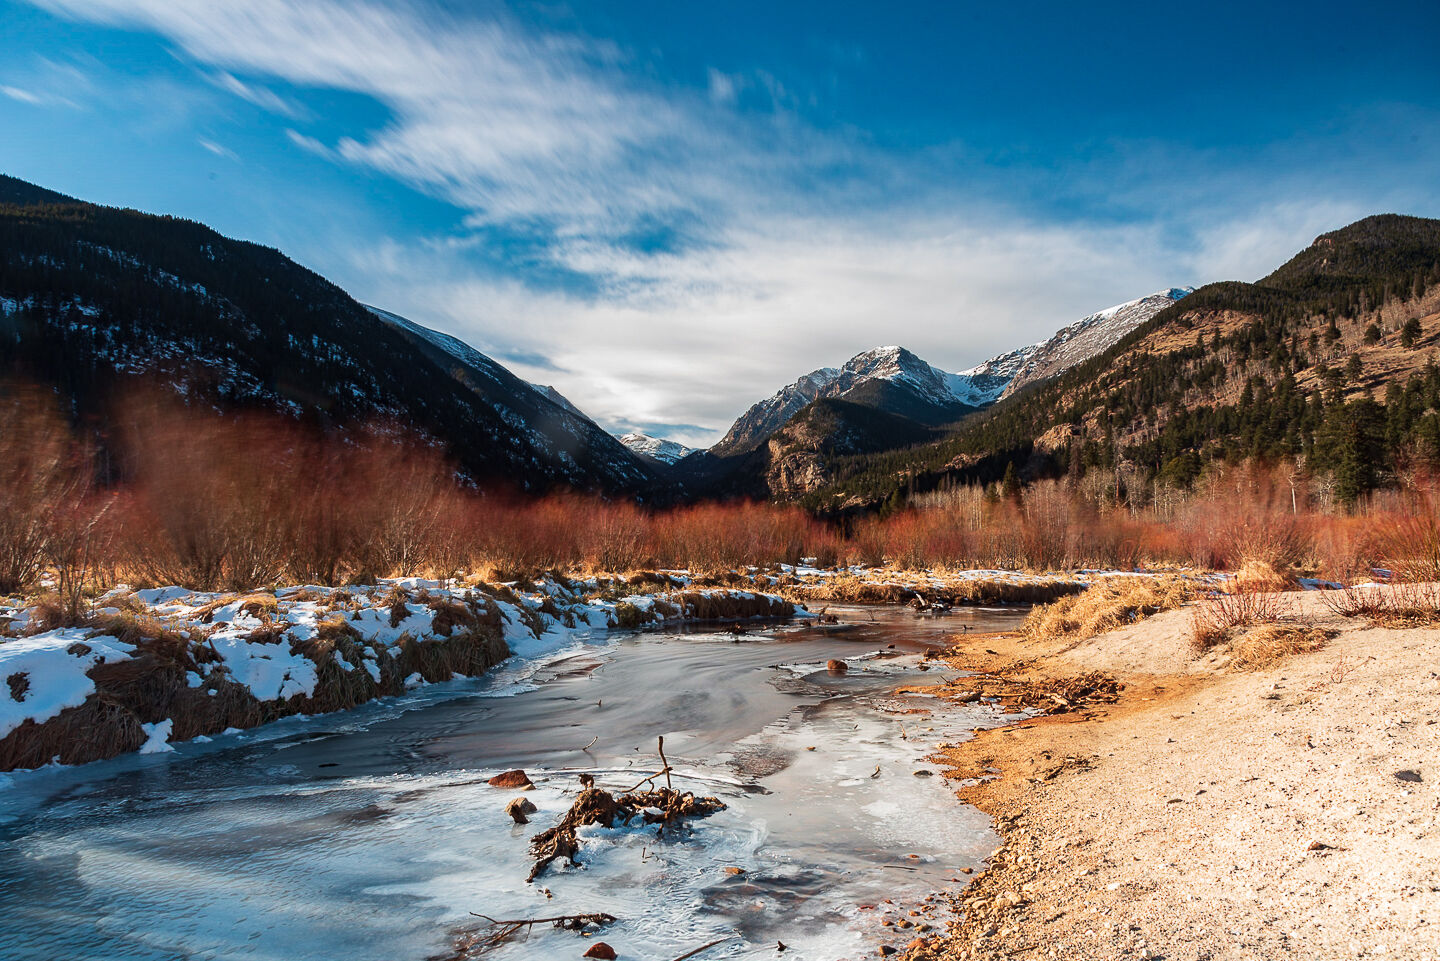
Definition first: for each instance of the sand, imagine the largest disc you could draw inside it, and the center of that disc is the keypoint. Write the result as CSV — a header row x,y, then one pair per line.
x,y
1211,814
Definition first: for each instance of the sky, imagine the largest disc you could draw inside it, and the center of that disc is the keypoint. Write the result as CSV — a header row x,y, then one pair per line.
x,y
669,210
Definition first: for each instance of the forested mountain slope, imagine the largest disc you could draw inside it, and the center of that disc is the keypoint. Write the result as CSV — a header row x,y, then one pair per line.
x,y
1331,359
95,301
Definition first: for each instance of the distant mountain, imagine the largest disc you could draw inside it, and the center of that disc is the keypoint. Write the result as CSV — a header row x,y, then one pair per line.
x,y
894,380
797,457
655,448
1329,361
555,397
889,379
95,299
1002,376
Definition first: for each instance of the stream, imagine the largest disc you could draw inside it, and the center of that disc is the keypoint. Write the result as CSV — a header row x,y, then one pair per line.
x,y
371,835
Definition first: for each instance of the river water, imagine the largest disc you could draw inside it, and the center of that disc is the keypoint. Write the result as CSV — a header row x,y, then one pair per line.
x,y
372,834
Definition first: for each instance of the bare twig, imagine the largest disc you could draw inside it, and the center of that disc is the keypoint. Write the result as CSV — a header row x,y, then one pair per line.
x,y
665,765
649,779
595,918
508,929
704,947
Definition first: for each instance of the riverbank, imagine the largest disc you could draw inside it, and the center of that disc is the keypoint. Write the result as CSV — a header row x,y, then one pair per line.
x,y
1208,813
142,670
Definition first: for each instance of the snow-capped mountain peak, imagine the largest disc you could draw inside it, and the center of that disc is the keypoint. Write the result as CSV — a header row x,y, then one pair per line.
x,y
1002,376
655,448
895,379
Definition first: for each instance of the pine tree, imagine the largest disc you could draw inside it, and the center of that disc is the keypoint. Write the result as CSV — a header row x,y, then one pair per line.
x,y
1410,333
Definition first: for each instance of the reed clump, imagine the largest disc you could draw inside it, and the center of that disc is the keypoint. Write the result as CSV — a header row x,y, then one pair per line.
x,y
1269,644
1107,604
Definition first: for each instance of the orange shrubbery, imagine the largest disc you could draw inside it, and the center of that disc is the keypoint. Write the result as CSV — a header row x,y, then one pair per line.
x,y
242,501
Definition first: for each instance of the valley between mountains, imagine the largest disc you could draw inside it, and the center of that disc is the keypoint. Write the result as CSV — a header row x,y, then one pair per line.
x,y
321,627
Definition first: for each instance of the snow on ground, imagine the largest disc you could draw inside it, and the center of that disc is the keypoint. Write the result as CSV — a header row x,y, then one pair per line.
x,y
45,674
259,640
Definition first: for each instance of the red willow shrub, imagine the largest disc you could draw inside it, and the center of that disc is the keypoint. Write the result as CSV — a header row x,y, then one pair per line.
x,y
242,501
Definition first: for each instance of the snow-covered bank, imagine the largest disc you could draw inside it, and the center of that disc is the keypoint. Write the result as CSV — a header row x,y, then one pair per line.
x,y
162,665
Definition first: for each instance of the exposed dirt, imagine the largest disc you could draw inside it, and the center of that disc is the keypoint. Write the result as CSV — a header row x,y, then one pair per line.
x,y
1208,813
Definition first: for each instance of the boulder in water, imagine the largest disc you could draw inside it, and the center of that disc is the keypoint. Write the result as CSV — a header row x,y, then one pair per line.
x,y
512,779
518,808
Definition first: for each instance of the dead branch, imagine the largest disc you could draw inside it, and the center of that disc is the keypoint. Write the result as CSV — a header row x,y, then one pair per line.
x,y
704,947
595,806
509,928
664,764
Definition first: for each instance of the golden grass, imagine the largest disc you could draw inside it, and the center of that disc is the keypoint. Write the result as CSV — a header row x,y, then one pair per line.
x,y
1108,604
1261,577
1268,644
854,589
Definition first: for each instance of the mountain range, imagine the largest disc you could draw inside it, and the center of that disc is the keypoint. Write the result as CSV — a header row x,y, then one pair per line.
x,y
1329,361
895,380
95,301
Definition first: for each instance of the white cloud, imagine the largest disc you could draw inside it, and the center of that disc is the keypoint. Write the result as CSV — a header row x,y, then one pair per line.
x,y
217,149
791,268
24,96
259,96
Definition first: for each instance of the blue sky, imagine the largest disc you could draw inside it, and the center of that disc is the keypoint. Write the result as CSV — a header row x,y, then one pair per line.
x,y
667,210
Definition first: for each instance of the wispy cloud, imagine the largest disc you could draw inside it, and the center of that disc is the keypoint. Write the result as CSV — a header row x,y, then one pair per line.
x,y
261,97
728,246
35,98
217,149
24,96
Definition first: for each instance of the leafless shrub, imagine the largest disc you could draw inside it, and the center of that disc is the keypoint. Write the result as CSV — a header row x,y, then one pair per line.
x,y
1220,612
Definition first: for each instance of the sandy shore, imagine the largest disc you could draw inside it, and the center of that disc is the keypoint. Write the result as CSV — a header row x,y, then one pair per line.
x,y
1210,814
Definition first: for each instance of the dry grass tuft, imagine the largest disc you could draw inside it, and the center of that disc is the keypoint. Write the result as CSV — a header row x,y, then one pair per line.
x,y
1261,577
1108,604
999,590
850,589
713,607
1268,644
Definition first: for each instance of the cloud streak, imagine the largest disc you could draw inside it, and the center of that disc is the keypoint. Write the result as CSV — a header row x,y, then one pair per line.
x,y
776,247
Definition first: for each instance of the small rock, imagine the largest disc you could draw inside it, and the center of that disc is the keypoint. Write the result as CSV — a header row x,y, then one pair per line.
x,y
734,871
886,950
518,808
835,666
924,773
512,779
1410,777
1319,846
600,950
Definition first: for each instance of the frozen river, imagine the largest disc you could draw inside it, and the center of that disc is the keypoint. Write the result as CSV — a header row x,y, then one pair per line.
x,y
373,835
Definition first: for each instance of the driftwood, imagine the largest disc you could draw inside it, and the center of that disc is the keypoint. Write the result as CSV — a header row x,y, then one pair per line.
x,y
595,806
1054,695
505,930
704,947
